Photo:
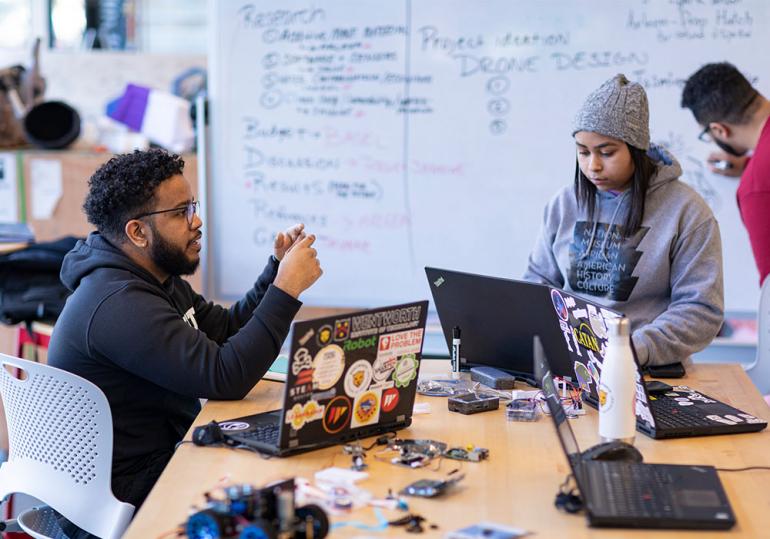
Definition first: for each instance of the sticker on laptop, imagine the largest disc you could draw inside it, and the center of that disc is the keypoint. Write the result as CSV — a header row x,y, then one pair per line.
x,y
358,377
341,329
325,395
597,322
399,344
328,366
302,360
366,409
231,426
337,414
389,399
583,376
559,305
307,336
299,414
406,370
324,335
383,367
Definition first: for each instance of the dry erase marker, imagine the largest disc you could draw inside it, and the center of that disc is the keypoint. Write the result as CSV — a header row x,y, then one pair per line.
x,y
455,351
722,165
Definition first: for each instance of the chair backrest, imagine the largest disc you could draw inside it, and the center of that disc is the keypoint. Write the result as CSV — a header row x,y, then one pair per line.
x,y
60,445
759,371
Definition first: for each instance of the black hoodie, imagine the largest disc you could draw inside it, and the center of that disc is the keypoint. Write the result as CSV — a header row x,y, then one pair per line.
x,y
155,348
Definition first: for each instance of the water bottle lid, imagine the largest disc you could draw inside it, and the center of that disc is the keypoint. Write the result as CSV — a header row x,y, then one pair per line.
x,y
619,327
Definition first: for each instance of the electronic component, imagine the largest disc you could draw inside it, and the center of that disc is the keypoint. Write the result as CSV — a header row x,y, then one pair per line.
x,y
487,530
522,410
416,453
472,403
247,512
471,454
492,377
430,488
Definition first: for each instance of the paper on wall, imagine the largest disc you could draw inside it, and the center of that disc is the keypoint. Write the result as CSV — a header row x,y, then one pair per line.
x,y
45,186
9,188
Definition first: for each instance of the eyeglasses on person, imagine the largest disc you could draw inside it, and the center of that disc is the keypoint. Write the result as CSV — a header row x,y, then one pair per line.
x,y
189,210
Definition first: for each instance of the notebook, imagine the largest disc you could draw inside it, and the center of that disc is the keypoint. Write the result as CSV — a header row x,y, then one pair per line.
x,y
498,318
636,495
348,377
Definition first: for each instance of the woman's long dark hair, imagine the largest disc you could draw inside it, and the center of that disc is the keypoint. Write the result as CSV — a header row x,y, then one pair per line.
x,y
644,169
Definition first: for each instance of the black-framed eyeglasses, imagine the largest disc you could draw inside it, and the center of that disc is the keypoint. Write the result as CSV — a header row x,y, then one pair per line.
x,y
189,210
705,135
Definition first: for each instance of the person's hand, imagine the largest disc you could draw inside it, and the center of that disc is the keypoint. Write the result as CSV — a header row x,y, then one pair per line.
x,y
724,164
284,240
299,269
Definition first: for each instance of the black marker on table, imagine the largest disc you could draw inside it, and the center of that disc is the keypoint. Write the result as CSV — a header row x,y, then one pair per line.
x,y
455,351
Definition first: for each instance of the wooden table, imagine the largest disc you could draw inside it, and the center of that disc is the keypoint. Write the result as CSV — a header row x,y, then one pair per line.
x,y
516,486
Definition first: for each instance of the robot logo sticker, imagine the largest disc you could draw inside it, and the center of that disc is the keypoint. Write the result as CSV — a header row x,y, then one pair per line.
x,y
366,409
337,414
559,305
406,370
341,329
299,414
231,426
358,378
328,366
324,335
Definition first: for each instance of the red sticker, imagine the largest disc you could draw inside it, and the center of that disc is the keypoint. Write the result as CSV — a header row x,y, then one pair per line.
x,y
389,399
337,414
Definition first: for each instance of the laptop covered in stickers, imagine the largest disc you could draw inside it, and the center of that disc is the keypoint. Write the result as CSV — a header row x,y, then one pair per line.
x,y
350,376
499,317
663,412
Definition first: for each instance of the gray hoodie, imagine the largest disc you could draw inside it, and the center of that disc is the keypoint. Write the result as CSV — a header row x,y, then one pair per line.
x,y
667,278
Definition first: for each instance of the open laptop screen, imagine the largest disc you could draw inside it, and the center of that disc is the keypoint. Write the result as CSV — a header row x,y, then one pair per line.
x,y
558,415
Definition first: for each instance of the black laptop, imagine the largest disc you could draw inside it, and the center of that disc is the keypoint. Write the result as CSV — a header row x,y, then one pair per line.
x,y
636,495
349,377
668,412
498,318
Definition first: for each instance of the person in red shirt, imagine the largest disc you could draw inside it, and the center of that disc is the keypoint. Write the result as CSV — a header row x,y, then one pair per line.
x,y
733,115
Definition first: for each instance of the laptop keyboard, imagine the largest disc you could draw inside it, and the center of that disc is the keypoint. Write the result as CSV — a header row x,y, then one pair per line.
x,y
634,490
669,414
266,433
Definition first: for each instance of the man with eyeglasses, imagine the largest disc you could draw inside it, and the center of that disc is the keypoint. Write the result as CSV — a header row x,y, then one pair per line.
x,y
137,330
733,115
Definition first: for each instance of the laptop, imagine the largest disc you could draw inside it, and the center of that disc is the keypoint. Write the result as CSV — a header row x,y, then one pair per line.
x,y
669,412
349,376
497,318
636,495
502,316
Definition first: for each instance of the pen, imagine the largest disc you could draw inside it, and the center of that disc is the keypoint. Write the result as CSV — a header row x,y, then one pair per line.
x,y
722,165
455,350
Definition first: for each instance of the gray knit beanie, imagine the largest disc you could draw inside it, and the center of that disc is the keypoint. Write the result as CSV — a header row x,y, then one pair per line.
x,y
618,109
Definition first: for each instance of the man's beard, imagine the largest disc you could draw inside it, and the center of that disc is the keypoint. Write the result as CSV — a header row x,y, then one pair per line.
x,y
170,258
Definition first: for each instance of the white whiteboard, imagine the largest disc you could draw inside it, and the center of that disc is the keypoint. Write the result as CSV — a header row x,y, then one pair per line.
x,y
433,132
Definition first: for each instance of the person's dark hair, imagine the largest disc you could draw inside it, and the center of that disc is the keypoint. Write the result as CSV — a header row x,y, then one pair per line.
x,y
644,169
124,187
719,93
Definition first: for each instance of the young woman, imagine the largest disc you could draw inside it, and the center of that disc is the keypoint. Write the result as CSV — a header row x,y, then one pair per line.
x,y
629,235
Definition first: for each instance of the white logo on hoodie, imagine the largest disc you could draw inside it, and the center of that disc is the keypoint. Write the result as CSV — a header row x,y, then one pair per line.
x,y
189,317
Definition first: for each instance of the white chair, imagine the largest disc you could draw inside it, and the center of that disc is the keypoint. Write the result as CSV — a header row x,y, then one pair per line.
x,y
60,450
759,370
